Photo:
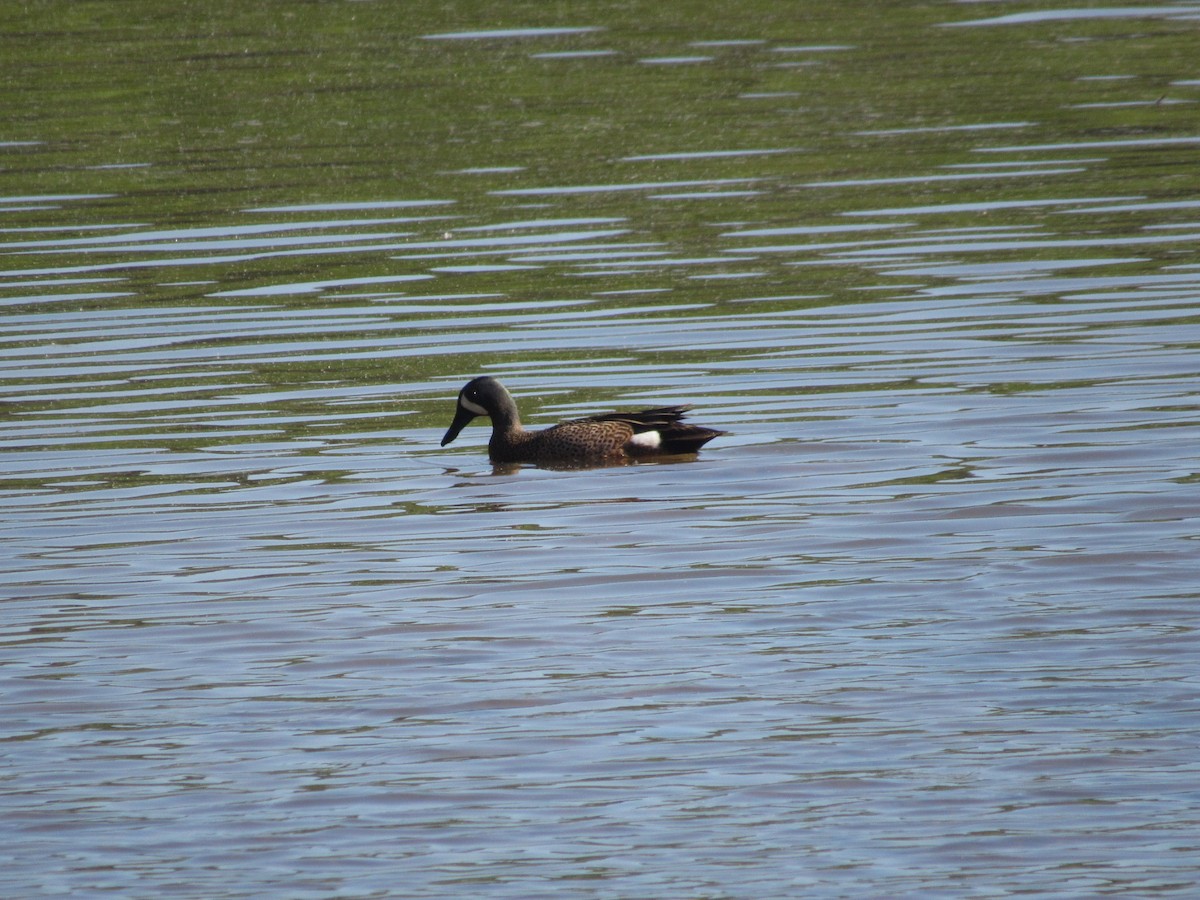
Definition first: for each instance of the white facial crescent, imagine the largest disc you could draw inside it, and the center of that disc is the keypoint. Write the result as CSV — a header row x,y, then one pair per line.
x,y
473,407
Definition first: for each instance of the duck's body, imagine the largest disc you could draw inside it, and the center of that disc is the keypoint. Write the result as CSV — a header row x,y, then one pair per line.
x,y
595,439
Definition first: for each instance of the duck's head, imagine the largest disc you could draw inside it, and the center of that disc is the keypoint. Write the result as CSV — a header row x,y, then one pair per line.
x,y
482,396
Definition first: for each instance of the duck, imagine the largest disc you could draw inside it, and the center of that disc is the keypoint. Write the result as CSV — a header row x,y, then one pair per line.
x,y
604,438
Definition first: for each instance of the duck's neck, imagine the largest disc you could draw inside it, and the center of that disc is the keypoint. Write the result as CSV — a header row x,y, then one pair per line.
x,y
505,419
510,442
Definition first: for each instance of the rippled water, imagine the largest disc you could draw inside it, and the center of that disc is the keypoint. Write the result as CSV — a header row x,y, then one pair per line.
x,y
923,624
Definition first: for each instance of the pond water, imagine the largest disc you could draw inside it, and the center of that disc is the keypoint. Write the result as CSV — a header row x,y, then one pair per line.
x,y
923,624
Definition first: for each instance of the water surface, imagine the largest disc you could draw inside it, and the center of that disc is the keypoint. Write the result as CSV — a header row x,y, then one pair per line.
x,y
923,624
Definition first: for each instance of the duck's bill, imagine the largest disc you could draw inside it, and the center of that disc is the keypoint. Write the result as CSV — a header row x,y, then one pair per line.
x,y
461,420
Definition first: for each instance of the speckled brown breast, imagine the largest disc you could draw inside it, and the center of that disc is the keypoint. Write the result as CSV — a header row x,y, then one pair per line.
x,y
582,440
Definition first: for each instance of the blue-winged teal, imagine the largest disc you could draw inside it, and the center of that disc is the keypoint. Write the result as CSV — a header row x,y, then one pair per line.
x,y
606,437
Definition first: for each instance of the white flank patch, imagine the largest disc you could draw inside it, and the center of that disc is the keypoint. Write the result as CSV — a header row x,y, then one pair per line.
x,y
473,407
649,440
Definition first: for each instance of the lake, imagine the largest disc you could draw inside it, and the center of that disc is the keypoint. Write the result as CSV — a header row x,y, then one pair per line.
x,y
923,624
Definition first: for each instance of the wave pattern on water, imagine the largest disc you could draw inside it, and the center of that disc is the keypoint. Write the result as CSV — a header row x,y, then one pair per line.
x,y
923,623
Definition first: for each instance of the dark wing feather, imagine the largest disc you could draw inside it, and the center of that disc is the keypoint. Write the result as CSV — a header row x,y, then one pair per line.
x,y
657,419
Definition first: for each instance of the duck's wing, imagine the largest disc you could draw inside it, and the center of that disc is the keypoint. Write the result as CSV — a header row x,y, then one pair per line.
x,y
657,419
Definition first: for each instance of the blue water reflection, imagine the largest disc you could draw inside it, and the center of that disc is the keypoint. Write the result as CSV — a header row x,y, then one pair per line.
x,y
922,624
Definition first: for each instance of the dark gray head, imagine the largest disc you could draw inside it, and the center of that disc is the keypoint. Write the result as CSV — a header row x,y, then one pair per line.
x,y
483,396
